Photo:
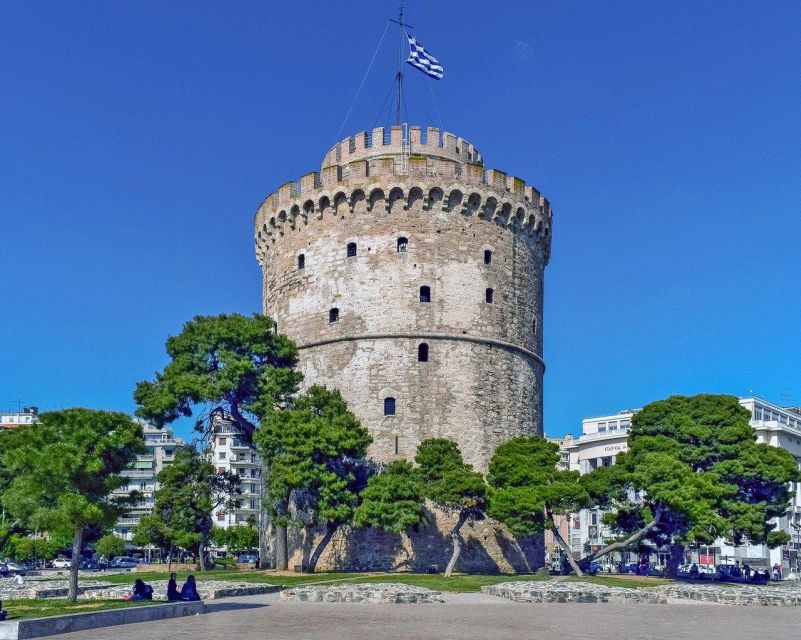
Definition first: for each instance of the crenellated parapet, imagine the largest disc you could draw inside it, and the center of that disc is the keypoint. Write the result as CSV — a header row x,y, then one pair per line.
x,y
439,173
417,140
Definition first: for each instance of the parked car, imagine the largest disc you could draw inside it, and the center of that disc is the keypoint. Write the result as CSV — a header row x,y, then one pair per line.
x,y
123,562
628,567
62,563
246,559
90,564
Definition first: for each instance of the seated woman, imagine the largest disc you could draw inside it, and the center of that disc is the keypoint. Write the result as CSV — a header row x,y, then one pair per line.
x,y
172,588
189,590
142,591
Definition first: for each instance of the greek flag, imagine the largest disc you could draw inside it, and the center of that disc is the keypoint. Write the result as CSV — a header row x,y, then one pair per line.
x,y
423,60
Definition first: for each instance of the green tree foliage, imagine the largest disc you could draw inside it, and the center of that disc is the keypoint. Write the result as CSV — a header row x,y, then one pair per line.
x,y
702,474
25,548
244,537
190,489
229,365
529,490
393,499
65,470
452,485
110,545
314,453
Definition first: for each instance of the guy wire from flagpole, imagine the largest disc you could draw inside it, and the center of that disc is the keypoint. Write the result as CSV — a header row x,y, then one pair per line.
x,y
361,86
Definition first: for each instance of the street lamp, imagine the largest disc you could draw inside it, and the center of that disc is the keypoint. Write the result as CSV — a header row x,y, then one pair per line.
x,y
797,528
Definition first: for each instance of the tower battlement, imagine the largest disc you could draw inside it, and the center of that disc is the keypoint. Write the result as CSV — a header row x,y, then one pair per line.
x,y
438,173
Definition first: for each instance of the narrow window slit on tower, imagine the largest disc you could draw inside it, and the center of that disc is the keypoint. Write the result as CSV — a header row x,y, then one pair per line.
x,y
389,406
425,294
422,352
302,261
403,245
351,249
487,256
397,448
490,293
333,315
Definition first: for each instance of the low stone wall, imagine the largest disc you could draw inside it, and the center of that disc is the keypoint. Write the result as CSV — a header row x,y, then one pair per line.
x,y
583,592
549,592
162,566
39,627
208,590
782,595
377,593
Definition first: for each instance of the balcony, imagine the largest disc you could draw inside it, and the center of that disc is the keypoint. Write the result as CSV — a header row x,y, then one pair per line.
x,y
144,457
138,473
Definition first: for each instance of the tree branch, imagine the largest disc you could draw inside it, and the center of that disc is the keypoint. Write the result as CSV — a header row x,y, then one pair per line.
x,y
622,544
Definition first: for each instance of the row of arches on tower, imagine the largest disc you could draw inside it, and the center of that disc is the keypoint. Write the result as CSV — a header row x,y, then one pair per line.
x,y
518,215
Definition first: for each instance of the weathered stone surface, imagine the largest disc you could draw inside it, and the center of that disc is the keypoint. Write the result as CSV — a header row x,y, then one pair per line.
x,y
376,593
208,589
547,592
740,595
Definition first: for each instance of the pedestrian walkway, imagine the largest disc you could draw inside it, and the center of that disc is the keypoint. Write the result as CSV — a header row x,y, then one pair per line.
x,y
463,615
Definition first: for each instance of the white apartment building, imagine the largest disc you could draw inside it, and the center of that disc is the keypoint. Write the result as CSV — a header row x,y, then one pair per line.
x,y
603,437
11,419
230,451
160,449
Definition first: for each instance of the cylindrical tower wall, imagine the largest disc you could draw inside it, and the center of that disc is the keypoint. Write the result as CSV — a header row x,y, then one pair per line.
x,y
345,257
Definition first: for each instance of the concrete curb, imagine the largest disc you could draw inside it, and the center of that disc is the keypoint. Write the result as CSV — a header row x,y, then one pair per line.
x,y
39,627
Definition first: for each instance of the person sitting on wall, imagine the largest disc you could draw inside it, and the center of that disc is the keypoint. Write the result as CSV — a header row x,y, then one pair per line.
x,y
694,572
189,590
142,591
172,588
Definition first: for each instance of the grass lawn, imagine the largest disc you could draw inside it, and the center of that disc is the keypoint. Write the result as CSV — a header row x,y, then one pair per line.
x,y
458,582
625,580
20,609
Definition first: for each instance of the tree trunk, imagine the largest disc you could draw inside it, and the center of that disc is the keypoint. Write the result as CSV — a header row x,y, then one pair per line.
x,y
77,540
457,545
330,530
622,544
563,545
169,559
202,552
675,559
281,555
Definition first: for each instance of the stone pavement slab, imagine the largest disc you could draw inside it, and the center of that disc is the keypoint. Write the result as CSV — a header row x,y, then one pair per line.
x,y
267,618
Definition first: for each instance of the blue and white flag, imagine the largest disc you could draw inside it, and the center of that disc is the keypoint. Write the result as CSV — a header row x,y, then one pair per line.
x,y
423,60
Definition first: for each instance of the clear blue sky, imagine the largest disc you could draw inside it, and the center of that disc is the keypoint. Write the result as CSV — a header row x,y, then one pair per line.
x,y
137,140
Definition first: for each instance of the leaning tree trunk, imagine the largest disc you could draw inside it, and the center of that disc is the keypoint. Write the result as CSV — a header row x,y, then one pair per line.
x,y
169,559
330,530
622,544
77,543
204,540
563,545
457,544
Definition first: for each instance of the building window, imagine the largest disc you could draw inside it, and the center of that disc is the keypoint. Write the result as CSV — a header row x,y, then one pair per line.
x,y
593,518
488,295
389,406
301,261
403,245
601,427
422,352
534,327
613,425
397,447
425,294
220,469
333,315
253,457
222,441
222,455
487,256
221,517
351,249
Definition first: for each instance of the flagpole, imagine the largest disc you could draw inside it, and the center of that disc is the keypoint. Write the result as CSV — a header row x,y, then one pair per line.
x,y
399,77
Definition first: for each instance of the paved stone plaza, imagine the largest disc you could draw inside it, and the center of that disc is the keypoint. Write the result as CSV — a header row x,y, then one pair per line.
x,y
462,616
